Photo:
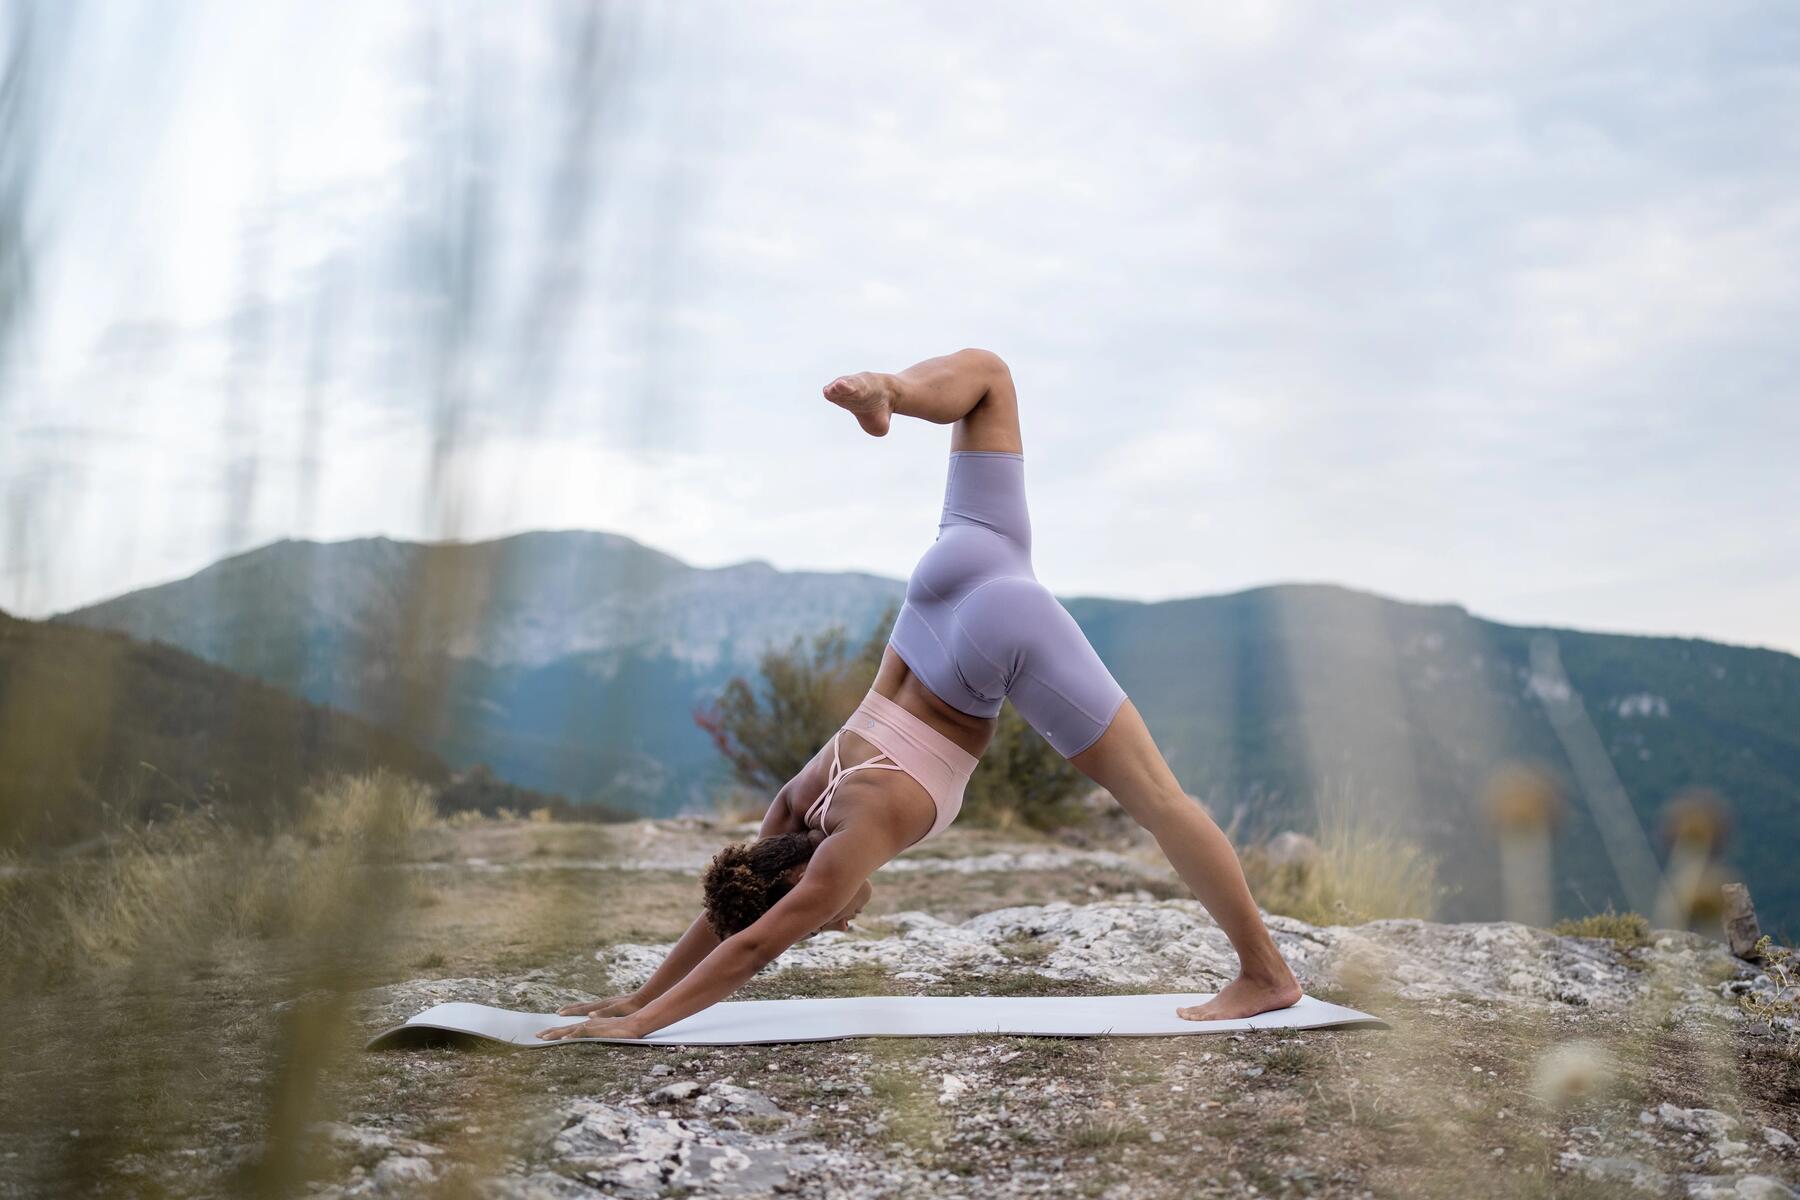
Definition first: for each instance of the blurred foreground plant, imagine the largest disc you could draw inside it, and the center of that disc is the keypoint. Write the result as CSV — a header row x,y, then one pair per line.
x,y
111,961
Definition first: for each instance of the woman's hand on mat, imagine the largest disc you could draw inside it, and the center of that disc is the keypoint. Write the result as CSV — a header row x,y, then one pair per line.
x,y
618,1006
608,1027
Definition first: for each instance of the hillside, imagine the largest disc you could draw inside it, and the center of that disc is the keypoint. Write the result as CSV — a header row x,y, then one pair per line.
x,y
572,662
97,728
1289,699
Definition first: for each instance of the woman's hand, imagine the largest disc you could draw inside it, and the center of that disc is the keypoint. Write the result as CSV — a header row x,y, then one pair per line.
x,y
618,1006
608,1027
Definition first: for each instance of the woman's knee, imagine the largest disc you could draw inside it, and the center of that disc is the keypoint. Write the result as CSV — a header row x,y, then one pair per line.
x,y
986,363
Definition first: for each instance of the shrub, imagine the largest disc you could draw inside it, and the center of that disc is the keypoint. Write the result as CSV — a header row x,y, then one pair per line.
x,y
380,805
173,886
1782,1002
1627,929
768,733
1361,873
769,730
478,791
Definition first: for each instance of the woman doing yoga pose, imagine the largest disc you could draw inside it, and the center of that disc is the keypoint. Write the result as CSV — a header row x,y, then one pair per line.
x,y
976,628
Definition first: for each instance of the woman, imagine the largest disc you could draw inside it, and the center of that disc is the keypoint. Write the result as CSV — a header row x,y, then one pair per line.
x,y
976,628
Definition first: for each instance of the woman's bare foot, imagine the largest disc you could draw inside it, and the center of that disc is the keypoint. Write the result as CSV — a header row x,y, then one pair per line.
x,y
1244,997
869,397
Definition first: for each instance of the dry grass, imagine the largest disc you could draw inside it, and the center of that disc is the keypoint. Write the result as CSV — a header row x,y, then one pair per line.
x,y
1362,873
380,809
1627,929
182,929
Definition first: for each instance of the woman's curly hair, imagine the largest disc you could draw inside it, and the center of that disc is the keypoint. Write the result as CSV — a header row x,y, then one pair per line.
x,y
745,880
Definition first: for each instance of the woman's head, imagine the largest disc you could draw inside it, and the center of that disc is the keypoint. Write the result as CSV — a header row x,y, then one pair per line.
x,y
746,880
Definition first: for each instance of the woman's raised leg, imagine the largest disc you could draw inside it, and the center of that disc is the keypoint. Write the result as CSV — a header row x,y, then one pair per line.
x,y
972,388
1125,761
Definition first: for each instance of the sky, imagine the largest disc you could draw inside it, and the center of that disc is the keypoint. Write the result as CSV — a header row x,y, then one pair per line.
x,y
1483,304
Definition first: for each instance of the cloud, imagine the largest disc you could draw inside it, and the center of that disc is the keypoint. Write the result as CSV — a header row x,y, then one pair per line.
x,y
1479,304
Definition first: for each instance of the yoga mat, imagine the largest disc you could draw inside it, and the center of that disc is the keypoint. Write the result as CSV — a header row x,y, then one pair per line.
x,y
750,1022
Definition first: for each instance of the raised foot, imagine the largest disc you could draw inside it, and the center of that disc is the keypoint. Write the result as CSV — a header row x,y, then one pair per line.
x,y
1244,997
868,396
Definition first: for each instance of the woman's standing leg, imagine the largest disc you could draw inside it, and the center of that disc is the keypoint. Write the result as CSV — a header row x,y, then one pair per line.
x,y
1125,761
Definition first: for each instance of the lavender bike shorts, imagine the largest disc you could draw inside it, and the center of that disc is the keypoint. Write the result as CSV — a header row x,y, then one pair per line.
x,y
977,627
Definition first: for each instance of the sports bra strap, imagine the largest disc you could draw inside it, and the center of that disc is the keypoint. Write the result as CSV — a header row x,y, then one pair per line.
x,y
823,804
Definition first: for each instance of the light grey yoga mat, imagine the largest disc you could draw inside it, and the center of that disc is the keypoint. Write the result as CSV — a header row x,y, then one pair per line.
x,y
749,1022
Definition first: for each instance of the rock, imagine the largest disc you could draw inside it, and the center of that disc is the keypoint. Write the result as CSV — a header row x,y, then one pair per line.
x,y
743,1101
622,1153
1614,1168
1739,917
953,1087
1132,942
1776,1138
1745,1187
402,1170
1708,1121
367,1147
674,1093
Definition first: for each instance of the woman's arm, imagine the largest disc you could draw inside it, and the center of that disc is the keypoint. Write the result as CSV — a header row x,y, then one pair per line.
x,y
689,952
699,940
841,866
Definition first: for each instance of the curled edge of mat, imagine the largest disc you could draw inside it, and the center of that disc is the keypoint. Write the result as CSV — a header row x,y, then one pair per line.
x,y
451,1024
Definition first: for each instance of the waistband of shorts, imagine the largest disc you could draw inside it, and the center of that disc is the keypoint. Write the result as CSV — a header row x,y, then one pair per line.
x,y
954,756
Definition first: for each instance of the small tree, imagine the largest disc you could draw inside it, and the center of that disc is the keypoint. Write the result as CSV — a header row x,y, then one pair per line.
x,y
808,690
1022,780
769,731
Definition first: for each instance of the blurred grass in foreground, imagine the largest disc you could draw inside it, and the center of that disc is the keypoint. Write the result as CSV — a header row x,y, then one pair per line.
x,y
120,967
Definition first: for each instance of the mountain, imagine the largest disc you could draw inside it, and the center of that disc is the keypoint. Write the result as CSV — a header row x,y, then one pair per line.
x,y
1300,699
572,662
568,661
97,728
293,608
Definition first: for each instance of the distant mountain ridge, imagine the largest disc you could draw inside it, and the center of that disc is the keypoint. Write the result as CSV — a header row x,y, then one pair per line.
x,y
97,730
552,595
572,662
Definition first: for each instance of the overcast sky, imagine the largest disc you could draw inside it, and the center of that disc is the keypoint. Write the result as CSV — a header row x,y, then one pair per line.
x,y
1485,303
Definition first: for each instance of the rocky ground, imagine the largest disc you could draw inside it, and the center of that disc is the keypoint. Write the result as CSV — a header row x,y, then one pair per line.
x,y
1518,1062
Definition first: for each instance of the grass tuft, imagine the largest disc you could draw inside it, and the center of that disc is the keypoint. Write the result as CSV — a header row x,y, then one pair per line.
x,y
1625,929
1362,873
